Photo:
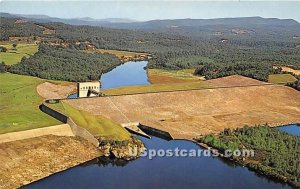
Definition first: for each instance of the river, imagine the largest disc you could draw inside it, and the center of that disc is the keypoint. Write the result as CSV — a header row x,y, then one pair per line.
x,y
160,172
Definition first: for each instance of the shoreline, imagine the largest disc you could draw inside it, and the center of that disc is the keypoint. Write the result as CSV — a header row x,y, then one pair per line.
x,y
244,164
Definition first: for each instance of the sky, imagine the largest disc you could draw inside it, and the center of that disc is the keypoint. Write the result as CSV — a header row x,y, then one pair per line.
x,y
143,10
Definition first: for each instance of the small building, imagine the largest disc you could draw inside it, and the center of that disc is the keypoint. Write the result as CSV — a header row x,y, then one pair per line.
x,y
88,89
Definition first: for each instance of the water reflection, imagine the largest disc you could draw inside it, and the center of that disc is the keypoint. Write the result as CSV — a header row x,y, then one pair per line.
x,y
160,172
106,161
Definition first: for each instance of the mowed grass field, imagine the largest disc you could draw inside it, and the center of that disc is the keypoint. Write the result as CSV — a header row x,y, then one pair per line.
x,y
19,110
281,78
19,104
156,88
14,56
97,125
172,76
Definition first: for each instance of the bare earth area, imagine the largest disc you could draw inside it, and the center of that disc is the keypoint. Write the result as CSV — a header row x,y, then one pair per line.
x,y
187,114
287,69
232,81
25,161
52,91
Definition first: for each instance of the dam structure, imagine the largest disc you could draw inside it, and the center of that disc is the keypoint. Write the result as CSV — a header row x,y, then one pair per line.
x,y
88,89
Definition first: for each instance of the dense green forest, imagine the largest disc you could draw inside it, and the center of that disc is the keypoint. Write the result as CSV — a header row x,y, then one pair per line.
x,y
276,153
9,28
65,64
254,70
214,49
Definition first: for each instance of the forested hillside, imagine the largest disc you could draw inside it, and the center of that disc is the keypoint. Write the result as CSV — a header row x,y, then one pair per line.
x,y
9,28
169,50
65,64
247,46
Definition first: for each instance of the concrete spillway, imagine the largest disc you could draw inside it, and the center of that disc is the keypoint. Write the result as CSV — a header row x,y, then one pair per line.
x,y
133,127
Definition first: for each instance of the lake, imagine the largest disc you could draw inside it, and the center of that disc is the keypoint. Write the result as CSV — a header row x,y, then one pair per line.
x,y
127,74
160,172
291,129
130,73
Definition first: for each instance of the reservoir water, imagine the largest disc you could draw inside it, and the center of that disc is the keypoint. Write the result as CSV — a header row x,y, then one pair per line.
x,y
160,172
291,129
129,73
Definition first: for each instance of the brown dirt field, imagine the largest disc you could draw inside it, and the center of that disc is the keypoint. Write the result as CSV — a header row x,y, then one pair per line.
x,y
52,91
232,81
187,114
32,159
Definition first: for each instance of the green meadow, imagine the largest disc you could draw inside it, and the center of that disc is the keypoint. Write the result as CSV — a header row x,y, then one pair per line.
x,y
281,78
19,104
14,55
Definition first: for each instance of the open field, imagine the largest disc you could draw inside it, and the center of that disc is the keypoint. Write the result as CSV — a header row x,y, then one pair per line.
x,y
157,76
14,56
20,100
187,114
233,81
19,104
118,53
25,161
281,78
287,69
56,90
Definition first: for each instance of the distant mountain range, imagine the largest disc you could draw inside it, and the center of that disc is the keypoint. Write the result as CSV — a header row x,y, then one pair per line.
x,y
132,24
222,27
72,21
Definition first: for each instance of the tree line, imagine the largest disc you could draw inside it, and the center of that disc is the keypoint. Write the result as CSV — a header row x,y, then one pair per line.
x,y
65,64
276,152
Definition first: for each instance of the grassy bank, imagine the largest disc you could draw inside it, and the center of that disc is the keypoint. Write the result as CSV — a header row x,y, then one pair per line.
x,y
14,55
19,104
276,153
99,126
155,88
281,78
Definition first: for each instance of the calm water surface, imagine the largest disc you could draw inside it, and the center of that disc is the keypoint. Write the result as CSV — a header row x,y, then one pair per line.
x,y
129,73
160,172
291,129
